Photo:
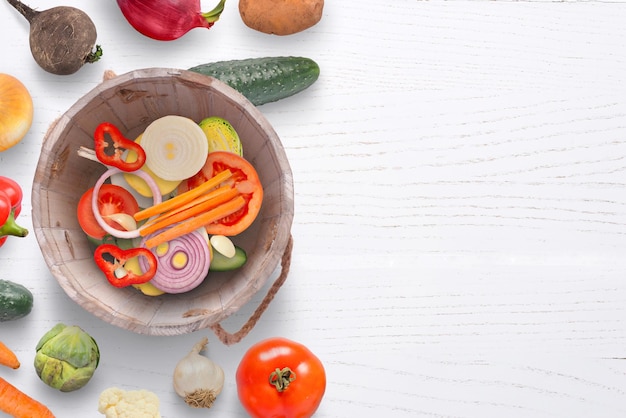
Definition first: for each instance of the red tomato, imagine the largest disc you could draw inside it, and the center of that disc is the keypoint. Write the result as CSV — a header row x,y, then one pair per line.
x,y
245,178
111,199
301,372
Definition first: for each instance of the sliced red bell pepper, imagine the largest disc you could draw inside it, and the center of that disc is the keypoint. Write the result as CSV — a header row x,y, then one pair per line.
x,y
119,143
120,256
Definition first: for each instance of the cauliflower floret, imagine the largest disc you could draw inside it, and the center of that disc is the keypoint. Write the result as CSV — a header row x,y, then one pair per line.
x,y
119,403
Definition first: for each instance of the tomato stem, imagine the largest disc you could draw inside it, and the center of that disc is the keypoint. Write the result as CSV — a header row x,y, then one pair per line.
x,y
282,378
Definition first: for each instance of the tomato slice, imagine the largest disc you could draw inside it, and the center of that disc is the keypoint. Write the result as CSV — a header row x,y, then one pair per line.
x,y
244,178
111,199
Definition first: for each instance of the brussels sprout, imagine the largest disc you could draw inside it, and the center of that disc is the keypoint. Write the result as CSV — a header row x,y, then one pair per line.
x,y
66,358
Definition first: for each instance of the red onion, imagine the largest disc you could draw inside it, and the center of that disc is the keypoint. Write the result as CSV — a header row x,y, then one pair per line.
x,y
156,196
166,20
172,278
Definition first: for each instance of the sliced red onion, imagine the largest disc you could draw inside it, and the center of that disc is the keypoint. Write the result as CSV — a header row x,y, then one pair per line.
x,y
156,196
179,279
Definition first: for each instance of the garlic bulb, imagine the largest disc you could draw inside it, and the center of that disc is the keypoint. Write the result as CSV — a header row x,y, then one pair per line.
x,y
197,379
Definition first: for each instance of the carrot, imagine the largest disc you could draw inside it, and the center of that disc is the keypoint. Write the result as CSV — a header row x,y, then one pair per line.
x,y
8,357
193,208
19,405
196,222
183,198
220,191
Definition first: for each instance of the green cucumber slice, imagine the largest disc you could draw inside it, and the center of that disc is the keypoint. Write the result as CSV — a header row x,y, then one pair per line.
x,y
222,263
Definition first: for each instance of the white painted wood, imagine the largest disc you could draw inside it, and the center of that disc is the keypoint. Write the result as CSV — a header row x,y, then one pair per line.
x,y
460,215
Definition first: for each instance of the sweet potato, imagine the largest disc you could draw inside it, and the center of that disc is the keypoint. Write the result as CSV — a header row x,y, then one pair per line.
x,y
280,17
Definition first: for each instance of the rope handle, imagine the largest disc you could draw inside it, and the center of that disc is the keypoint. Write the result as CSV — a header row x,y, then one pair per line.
x,y
235,337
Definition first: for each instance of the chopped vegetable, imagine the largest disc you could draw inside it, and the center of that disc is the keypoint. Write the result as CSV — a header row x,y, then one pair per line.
x,y
194,208
278,377
111,153
197,379
166,20
176,147
66,358
247,182
95,206
119,179
284,17
126,221
223,245
148,289
119,403
8,357
221,135
220,262
183,198
139,185
183,262
61,39
202,220
175,253
17,404
111,200
114,270
16,111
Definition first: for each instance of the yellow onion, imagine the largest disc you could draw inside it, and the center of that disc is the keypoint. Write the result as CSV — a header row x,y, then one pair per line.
x,y
16,111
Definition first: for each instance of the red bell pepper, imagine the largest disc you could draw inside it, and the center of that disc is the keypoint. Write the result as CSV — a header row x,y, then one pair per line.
x,y
10,208
112,153
120,256
14,191
5,207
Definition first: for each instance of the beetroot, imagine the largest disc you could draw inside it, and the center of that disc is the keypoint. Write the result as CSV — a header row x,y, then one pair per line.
x,y
62,39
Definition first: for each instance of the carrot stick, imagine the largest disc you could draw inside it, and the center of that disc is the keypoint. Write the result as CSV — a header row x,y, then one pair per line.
x,y
205,197
183,198
8,357
19,405
193,208
196,222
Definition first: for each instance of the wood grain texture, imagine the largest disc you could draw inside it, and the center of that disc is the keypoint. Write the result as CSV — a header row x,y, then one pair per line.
x,y
460,216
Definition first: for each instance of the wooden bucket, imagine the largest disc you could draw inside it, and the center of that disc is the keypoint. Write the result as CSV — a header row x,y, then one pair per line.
x,y
131,101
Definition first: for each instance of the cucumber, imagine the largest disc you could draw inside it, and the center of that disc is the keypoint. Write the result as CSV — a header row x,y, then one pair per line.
x,y
222,263
16,301
264,80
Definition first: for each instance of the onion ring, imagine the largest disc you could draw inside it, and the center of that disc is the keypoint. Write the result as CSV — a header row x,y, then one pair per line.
x,y
172,279
176,147
156,196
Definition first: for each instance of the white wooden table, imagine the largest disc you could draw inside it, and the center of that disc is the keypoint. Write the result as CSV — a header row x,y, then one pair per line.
x,y
460,226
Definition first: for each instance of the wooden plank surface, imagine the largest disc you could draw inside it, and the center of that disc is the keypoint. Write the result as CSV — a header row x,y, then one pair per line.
x,y
460,209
